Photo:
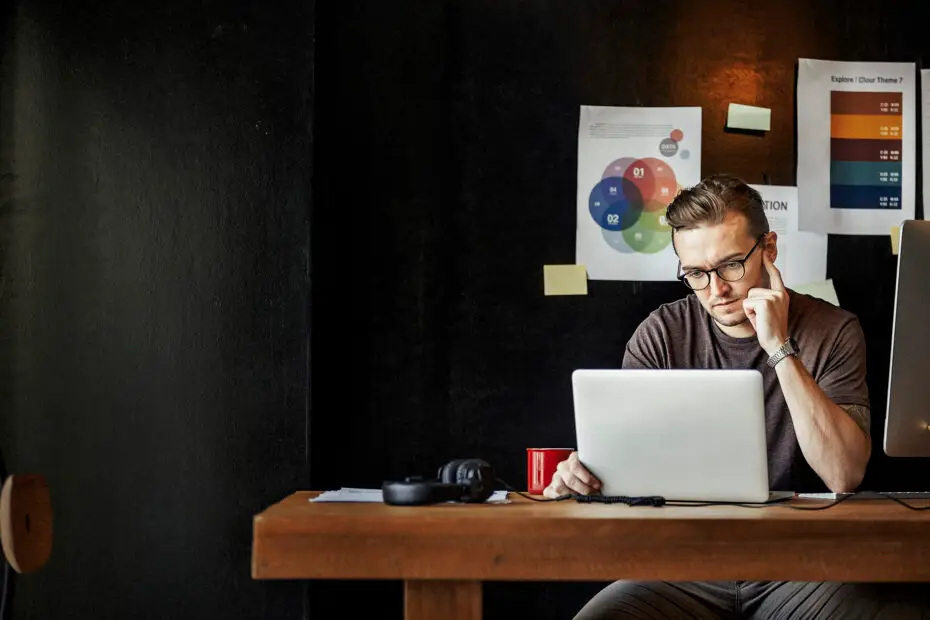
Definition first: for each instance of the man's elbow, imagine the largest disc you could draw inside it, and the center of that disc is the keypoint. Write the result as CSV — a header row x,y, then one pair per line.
x,y
849,479
846,484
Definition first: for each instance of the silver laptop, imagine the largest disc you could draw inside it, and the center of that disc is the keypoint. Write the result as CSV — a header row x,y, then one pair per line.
x,y
694,435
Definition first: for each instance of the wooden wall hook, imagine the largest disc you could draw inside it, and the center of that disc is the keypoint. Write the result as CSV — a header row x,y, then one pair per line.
x,y
26,522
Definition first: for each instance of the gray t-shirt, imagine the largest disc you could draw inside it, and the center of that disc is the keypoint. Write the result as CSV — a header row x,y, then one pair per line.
x,y
682,334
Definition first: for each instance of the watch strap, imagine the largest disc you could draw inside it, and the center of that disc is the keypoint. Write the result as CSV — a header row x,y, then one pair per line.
x,y
789,347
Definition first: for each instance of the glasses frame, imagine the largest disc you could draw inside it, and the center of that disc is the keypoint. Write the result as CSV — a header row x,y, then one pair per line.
x,y
707,272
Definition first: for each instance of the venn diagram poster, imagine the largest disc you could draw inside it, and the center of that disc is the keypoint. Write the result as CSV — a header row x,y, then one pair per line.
x,y
632,161
856,146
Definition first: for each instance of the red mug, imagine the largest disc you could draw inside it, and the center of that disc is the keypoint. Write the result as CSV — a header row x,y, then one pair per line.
x,y
540,465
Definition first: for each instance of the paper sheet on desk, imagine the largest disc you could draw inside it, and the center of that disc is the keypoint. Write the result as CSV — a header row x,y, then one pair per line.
x,y
349,494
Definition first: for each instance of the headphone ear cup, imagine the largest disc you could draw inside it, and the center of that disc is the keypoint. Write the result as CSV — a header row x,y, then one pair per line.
x,y
477,477
449,473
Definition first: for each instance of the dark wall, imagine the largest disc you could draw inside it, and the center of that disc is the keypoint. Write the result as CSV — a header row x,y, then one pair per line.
x,y
446,157
154,330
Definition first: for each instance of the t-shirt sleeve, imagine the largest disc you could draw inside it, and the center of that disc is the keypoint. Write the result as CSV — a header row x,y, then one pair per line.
x,y
645,348
843,378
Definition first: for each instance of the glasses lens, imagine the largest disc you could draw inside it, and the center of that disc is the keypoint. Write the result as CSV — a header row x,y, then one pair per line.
x,y
731,272
697,280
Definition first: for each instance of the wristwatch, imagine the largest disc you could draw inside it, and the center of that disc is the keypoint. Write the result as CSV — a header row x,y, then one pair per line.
x,y
789,347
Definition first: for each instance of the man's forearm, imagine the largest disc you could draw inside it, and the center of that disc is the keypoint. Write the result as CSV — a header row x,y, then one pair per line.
x,y
833,444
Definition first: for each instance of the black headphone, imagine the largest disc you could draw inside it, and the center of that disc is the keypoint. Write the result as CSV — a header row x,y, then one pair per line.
x,y
461,480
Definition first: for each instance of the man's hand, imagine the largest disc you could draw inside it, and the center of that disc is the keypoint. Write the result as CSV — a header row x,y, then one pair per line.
x,y
571,477
767,309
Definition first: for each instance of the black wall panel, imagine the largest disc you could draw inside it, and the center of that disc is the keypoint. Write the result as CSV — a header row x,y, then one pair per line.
x,y
154,316
446,167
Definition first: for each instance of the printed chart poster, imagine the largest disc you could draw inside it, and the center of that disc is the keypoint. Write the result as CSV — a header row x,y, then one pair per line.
x,y
631,164
856,146
802,256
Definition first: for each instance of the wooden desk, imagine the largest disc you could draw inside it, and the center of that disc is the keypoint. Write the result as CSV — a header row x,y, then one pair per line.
x,y
444,552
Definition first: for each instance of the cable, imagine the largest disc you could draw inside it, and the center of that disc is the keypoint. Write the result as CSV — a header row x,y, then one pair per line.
x,y
646,500
781,504
509,487
903,503
652,500
658,501
775,504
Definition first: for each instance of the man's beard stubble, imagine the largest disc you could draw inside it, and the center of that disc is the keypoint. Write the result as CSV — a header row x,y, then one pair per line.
x,y
729,320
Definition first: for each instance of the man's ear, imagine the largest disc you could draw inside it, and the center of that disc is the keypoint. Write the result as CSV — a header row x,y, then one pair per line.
x,y
771,246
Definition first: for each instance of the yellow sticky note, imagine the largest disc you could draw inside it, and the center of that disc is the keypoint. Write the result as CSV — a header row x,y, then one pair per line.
x,y
565,279
741,116
895,238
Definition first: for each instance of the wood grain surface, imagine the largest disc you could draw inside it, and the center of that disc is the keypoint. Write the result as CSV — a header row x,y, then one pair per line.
x,y
863,540
450,600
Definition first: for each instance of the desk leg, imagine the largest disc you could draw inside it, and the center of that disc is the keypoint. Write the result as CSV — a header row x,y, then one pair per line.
x,y
449,600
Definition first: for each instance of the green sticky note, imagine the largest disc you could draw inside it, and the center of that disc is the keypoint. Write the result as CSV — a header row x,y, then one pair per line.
x,y
895,238
565,280
741,116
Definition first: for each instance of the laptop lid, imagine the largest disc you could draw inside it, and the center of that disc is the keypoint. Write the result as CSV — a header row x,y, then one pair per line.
x,y
681,434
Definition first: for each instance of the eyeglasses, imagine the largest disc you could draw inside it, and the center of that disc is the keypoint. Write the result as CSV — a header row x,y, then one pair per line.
x,y
731,271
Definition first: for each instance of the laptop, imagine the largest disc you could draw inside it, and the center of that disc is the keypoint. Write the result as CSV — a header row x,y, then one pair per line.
x,y
689,435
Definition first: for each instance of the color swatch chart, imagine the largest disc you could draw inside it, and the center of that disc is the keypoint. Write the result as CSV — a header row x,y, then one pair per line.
x,y
865,150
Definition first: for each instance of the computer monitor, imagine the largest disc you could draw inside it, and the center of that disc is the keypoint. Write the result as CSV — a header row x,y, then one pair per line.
x,y
907,419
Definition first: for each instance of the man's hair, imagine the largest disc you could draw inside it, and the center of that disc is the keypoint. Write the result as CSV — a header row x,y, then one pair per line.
x,y
711,200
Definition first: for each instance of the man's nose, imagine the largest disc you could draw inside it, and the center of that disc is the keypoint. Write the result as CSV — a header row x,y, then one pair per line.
x,y
718,286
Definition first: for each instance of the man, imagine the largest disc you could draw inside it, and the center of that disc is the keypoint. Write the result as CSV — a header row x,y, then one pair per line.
x,y
812,358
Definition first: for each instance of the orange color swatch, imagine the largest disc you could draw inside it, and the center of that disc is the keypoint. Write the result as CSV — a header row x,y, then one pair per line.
x,y
865,126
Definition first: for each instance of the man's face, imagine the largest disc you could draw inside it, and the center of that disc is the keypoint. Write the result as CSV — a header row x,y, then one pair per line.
x,y
711,246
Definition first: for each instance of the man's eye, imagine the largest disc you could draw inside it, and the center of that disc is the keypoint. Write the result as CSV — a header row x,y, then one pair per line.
x,y
731,266
694,275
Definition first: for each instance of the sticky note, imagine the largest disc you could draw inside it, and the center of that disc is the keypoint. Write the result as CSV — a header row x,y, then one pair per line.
x,y
565,279
822,290
895,238
741,116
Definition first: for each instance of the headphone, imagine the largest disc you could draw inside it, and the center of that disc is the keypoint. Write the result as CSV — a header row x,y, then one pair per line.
x,y
460,480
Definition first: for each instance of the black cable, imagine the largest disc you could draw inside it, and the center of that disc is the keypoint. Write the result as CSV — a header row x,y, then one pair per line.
x,y
511,489
903,503
647,500
779,504
659,501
